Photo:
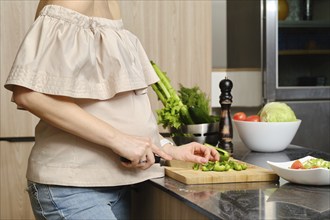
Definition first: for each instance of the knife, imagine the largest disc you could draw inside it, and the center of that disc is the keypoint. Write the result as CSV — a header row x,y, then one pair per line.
x,y
158,159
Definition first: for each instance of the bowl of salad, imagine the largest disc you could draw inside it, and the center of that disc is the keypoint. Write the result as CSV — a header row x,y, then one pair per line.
x,y
307,170
271,130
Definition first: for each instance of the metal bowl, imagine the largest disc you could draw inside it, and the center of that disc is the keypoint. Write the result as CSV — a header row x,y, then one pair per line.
x,y
201,133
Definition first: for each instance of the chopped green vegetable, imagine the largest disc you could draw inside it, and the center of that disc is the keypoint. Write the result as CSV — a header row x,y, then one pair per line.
x,y
196,166
244,166
224,164
224,155
219,167
277,112
316,163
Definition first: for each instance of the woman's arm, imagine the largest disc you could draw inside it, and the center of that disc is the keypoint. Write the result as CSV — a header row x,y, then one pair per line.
x,y
63,113
41,4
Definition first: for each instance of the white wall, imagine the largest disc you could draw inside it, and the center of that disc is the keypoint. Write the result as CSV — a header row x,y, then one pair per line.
x,y
247,87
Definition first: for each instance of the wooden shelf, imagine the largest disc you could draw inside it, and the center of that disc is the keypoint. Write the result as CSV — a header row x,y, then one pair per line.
x,y
303,52
304,24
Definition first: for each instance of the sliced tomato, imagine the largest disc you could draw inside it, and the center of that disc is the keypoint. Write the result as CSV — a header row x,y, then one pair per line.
x,y
240,116
297,165
253,118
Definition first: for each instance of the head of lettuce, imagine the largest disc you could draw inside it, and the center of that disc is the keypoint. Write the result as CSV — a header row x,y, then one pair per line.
x,y
277,112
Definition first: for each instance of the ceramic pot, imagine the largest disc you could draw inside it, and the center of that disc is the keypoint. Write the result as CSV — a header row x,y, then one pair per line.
x,y
201,133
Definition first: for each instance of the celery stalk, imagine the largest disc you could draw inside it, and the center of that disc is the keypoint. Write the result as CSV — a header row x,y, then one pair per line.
x,y
160,96
175,113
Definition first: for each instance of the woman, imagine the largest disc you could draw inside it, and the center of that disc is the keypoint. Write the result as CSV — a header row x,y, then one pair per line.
x,y
86,78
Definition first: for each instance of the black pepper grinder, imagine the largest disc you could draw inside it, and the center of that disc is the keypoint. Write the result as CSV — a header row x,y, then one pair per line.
x,y
225,125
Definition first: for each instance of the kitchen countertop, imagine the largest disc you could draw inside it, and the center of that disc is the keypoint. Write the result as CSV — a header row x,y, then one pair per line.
x,y
257,200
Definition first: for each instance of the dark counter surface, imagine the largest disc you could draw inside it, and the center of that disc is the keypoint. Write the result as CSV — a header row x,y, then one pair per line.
x,y
257,200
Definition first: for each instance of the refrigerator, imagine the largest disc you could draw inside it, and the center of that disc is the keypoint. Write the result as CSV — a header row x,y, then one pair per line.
x,y
295,53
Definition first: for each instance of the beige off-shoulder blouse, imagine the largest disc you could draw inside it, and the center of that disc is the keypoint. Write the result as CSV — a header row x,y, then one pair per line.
x,y
106,70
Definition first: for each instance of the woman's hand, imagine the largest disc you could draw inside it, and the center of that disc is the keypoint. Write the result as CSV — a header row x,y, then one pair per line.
x,y
137,152
192,152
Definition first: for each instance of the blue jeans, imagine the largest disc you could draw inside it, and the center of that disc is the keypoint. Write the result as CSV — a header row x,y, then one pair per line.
x,y
93,203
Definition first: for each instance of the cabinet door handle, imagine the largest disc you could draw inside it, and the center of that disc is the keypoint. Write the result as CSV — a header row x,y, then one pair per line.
x,y
17,139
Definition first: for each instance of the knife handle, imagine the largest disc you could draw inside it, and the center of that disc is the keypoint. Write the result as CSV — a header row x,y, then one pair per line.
x,y
125,160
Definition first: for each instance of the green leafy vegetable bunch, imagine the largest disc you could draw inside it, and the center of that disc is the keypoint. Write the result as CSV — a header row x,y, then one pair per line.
x,y
188,106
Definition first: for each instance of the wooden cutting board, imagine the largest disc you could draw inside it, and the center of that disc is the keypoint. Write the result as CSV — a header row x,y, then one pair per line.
x,y
184,173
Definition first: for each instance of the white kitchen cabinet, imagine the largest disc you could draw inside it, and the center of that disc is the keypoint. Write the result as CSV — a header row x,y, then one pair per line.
x,y
16,18
14,199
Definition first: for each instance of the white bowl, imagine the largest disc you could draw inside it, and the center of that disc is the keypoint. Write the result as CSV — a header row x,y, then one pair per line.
x,y
316,176
266,136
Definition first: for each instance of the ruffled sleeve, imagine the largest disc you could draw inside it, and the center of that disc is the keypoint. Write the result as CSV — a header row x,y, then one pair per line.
x,y
66,53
